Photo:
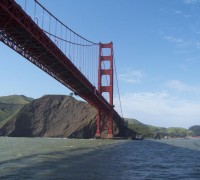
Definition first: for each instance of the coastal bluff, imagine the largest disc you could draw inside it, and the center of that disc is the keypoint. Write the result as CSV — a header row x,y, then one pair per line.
x,y
53,116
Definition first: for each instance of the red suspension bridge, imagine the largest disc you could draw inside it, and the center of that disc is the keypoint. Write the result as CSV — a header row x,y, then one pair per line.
x,y
81,65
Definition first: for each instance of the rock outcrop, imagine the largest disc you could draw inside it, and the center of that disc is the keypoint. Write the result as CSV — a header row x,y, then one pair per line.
x,y
53,116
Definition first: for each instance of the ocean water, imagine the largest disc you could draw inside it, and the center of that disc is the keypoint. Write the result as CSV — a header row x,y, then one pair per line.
x,y
51,158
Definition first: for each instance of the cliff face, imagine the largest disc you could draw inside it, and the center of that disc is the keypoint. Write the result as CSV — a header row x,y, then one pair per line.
x,y
53,116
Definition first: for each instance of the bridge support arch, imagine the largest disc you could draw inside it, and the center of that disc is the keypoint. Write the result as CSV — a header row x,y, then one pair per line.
x,y
105,119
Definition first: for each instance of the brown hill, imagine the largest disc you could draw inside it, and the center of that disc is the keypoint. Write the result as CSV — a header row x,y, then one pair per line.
x,y
54,116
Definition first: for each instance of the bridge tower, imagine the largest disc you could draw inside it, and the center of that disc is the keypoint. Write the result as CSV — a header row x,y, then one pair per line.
x,y
105,119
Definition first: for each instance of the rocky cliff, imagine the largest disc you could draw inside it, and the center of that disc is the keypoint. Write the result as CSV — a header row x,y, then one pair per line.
x,y
54,116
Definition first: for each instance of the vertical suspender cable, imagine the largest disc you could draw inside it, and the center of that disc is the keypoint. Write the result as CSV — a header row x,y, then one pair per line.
x,y
34,11
42,18
50,26
55,31
70,45
25,6
66,42
77,54
61,43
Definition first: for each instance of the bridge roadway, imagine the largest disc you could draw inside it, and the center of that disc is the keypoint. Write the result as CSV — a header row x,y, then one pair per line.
x,y
22,34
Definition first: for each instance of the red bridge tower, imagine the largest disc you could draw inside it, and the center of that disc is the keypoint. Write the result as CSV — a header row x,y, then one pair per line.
x,y
105,119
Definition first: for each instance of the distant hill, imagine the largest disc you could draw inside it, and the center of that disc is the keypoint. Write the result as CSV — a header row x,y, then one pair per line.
x,y
15,99
151,131
10,105
139,127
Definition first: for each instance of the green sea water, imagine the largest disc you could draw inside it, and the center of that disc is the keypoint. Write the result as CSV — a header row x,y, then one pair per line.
x,y
58,158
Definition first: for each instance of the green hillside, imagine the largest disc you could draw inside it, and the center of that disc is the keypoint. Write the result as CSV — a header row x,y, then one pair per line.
x,y
15,99
139,127
10,105
151,131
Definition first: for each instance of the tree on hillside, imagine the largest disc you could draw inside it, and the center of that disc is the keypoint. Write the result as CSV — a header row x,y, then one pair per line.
x,y
195,129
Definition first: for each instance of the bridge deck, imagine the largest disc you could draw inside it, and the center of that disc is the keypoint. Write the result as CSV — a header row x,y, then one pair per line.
x,y
22,34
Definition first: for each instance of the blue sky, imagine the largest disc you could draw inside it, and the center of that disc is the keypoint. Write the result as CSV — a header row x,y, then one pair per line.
x,y
157,53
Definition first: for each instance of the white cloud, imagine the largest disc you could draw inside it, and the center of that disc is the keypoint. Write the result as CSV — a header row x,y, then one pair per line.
x,y
191,1
179,42
187,16
178,12
197,32
160,109
197,45
183,67
173,39
163,10
180,86
131,76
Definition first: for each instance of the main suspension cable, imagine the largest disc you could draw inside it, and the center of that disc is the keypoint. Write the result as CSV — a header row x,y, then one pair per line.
x,y
115,69
78,44
36,1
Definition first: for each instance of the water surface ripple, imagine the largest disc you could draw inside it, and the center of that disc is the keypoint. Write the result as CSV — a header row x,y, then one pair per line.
x,y
51,158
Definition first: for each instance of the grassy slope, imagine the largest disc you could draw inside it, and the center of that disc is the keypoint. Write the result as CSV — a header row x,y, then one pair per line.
x,y
139,127
150,131
10,105
15,99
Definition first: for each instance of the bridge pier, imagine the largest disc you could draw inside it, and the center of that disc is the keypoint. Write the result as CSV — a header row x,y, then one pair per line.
x,y
104,125
98,133
110,130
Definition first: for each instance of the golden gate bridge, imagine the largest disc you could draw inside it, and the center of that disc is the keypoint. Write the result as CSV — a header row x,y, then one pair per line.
x,y
85,67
